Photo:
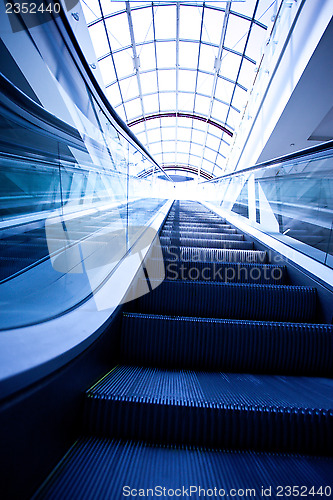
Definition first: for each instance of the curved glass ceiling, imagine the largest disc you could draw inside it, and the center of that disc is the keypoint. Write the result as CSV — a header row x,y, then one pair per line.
x,y
178,72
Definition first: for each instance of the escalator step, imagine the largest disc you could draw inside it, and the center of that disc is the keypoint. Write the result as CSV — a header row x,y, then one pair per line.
x,y
186,233
225,410
196,224
212,241
98,468
214,254
230,300
211,244
228,345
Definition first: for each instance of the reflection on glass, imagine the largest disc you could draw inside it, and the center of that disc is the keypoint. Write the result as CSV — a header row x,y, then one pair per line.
x,y
71,201
293,200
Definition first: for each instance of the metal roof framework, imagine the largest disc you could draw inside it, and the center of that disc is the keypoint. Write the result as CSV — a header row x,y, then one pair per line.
x,y
178,72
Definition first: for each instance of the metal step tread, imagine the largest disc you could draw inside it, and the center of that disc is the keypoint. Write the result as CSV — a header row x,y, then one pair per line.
x,y
228,345
98,468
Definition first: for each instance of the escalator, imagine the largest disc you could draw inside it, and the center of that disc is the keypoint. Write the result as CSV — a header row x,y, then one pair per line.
x,y
223,380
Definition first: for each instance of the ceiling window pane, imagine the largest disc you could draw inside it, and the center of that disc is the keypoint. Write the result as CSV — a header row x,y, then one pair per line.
x,y
207,58
240,98
124,63
133,109
118,31
214,131
151,104
196,149
169,134
184,134
212,28
91,11
213,142
182,158
167,101
207,165
202,105
147,57
265,13
186,80
194,160
247,74
142,25
184,122
236,34
148,82
165,22
107,70
257,37
166,54
246,8
188,54
199,125
224,90
220,161
205,84
219,111
190,22
155,148
185,102
99,39
210,155
152,124
233,118
183,146
198,136
168,158
113,94
230,65
154,135
109,7
215,3
167,79
168,146
129,88
168,122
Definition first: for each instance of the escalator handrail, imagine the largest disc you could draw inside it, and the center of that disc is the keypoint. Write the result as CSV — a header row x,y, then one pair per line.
x,y
301,154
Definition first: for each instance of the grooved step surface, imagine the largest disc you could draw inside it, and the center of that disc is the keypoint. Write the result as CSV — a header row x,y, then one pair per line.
x,y
204,242
213,254
228,345
198,242
229,300
100,468
208,233
213,409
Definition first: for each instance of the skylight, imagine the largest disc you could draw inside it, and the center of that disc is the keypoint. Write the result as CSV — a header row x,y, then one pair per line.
x,y
178,73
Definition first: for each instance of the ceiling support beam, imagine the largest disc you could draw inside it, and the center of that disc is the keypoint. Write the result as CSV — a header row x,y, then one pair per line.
x,y
180,114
